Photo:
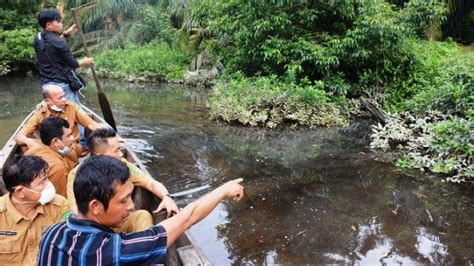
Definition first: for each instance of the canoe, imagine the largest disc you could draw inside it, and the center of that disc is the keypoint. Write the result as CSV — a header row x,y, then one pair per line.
x,y
183,252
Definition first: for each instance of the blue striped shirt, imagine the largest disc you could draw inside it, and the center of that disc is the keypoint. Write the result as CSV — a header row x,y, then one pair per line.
x,y
84,242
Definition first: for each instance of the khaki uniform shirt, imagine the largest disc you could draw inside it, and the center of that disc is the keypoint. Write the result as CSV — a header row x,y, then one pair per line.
x,y
72,113
19,236
59,166
139,179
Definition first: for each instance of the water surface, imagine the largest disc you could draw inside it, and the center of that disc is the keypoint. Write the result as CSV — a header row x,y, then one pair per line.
x,y
312,196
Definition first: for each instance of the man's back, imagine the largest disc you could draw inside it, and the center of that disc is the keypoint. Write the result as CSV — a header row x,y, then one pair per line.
x,y
85,242
53,56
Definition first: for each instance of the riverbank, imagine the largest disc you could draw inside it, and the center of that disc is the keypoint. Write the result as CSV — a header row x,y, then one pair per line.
x,y
340,204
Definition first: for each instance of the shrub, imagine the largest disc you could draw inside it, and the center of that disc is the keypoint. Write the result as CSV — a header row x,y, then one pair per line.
x,y
269,102
438,143
16,47
154,59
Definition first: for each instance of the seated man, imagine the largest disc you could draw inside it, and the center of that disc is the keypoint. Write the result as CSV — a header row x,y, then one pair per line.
x,y
55,104
29,208
104,141
55,148
103,192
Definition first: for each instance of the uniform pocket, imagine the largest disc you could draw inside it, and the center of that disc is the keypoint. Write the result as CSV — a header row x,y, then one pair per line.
x,y
9,243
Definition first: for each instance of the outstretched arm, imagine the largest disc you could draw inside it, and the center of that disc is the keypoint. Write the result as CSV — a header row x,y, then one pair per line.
x,y
196,211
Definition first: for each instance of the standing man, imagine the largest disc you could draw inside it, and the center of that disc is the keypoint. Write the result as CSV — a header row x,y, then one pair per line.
x,y
103,192
29,208
53,54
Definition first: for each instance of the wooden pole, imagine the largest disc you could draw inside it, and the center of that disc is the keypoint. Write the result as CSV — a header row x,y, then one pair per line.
x,y
103,101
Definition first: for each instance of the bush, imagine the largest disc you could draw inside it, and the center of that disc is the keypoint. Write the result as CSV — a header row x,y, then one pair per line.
x,y
424,18
153,24
269,102
438,143
154,59
429,62
11,19
16,47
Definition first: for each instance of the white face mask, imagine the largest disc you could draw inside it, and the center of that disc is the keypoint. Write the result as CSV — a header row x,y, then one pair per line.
x,y
47,195
65,150
56,108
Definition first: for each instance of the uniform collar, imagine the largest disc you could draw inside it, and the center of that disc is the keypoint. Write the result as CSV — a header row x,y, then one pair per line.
x,y
16,215
45,109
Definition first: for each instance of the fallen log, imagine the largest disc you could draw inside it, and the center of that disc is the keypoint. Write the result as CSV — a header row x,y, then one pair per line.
x,y
372,107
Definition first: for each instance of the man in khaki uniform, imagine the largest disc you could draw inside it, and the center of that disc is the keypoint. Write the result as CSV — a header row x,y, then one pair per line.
x,y
29,208
57,149
104,141
55,104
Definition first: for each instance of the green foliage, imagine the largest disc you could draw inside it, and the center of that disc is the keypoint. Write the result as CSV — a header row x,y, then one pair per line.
x,y
269,102
428,64
350,45
451,91
14,19
152,24
438,143
15,47
424,17
154,59
452,138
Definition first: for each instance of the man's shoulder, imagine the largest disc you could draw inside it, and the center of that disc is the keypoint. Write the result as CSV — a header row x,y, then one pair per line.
x,y
41,107
72,107
53,39
58,201
74,170
3,202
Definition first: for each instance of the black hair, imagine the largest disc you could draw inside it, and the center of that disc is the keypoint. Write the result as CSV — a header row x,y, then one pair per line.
x,y
48,15
22,170
96,179
52,127
99,137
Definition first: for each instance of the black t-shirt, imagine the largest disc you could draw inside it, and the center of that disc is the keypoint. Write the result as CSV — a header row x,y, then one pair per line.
x,y
53,56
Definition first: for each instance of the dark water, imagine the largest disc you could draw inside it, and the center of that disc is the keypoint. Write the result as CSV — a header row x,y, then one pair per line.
x,y
312,196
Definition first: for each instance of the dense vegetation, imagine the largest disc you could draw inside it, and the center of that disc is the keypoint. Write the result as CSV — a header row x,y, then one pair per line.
x,y
301,63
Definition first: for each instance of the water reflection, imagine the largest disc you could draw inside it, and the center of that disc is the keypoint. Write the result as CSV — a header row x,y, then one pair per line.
x,y
312,196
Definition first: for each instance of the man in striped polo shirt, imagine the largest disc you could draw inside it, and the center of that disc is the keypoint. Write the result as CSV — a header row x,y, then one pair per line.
x,y
103,192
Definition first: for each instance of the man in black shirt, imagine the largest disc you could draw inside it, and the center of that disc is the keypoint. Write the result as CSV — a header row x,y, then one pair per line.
x,y
53,54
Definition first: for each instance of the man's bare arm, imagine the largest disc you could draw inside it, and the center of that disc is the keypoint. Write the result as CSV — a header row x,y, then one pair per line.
x,y
196,211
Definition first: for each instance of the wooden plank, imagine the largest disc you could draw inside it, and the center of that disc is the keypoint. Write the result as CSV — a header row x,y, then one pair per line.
x,y
189,256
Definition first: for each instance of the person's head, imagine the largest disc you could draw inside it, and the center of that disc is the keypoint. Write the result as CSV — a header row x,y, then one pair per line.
x,y
26,178
104,141
103,190
54,97
55,132
50,19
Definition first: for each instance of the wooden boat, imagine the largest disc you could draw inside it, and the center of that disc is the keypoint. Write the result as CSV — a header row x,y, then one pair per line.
x,y
183,252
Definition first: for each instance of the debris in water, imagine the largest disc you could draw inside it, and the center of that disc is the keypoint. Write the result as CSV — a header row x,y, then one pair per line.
x,y
299,233
429,215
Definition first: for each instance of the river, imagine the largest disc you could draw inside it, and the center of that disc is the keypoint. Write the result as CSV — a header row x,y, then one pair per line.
x,y
312,195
